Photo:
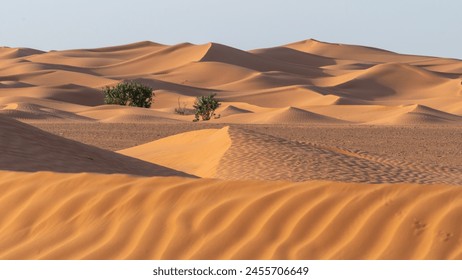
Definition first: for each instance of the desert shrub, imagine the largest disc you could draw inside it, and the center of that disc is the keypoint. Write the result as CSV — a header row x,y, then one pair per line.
x,y
129,94
205,106
181,109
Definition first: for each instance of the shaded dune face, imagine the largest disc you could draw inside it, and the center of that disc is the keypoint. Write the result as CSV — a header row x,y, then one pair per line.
x,y
241,154
25,148
307,75
418,114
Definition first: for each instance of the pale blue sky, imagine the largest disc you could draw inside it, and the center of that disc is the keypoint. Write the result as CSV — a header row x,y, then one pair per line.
x,y
415,26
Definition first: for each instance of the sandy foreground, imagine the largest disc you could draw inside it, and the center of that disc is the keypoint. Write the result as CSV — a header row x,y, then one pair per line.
x,y
49,215
320,151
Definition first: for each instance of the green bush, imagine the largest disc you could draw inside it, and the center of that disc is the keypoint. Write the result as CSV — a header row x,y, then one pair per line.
x,y
129,94
205,106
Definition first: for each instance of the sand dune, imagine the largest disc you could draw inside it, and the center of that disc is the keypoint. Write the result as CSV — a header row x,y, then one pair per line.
x,y
25,148
11,53
296,115
73,94
161,60
232,110
295,56
239,154
97,57
225,54
197,152
418,114
118,114
256,189
281,96
14,84
305,74
352,52
199,74
127,50
288,115
398,82
42,102
30,112
269,79
119,217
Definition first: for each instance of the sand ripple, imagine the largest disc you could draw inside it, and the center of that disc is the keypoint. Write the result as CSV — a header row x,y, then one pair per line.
x,y
90,216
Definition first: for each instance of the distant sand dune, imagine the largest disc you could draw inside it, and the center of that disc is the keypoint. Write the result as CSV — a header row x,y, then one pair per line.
x,y
296,57
96,58
305,75
166,58
232,110
352,52
225,54
122,114
418,114
14,84
281,96
30,112
72,94
296,115
11,53
397,82
42,102
289,115
200,73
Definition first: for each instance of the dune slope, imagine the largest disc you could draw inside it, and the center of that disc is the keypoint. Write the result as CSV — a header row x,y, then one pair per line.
x,y
196,152
26,148
418,114
236,154
303,75
120,217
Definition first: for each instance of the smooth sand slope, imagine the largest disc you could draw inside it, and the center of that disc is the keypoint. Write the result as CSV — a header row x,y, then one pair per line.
x,y
237,154
308,75
199,152
90,216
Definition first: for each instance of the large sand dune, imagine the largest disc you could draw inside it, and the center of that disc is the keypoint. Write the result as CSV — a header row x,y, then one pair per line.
x,y
83,216
248,184
304,75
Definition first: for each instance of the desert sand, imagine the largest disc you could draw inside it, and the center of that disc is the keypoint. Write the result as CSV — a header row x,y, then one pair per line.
x,y
318,151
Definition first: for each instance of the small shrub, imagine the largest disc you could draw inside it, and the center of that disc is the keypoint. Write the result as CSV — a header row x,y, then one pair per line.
x,y
129,94
181,109
205,106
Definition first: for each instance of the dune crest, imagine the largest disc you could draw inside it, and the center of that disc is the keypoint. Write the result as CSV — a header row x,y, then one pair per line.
x,y
197,152
233,110
417,114
352,52
305,75
26,148
238,154
12,53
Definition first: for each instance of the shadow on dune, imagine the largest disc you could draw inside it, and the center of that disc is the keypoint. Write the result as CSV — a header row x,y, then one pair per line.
x,y
26,148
